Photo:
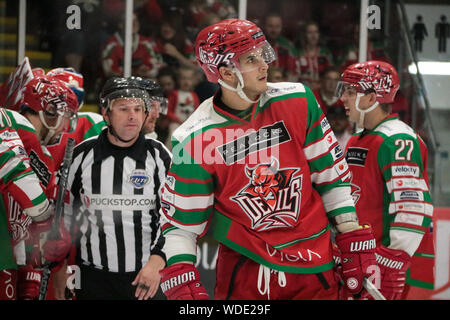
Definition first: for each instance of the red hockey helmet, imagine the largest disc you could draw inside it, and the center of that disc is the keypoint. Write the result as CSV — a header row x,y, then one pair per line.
x,y
72,78
379,76
50,97
224,42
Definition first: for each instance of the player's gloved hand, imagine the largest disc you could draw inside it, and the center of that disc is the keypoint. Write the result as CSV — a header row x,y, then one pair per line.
x,y
393,265
56,249
357,249
181,281
38,227
28,283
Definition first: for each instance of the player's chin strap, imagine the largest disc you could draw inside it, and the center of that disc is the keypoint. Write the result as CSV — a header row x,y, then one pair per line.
x,y
264,275
362,112
239,87
51,130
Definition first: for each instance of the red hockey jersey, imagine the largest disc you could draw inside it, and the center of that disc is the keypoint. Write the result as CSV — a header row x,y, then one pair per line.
x,y
271,183
390,186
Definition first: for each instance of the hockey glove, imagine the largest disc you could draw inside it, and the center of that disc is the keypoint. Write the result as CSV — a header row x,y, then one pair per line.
x,y
393,265
181,281
28,283
358,256
56,250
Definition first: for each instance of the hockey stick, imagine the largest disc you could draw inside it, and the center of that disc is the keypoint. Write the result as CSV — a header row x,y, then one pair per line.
x,y
372,290
59,209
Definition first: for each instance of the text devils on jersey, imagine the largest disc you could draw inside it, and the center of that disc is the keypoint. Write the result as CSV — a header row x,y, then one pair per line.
x,y
272,197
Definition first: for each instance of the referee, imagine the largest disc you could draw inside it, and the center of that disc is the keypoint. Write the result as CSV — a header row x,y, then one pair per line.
x,y
115,185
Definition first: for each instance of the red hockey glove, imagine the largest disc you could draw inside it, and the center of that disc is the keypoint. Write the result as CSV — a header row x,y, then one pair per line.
x,y
181,281
358,255
393,265
38,227
57,250
28,283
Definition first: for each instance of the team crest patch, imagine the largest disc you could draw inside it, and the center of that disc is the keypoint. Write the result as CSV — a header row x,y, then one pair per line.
x,y
272,197
139,178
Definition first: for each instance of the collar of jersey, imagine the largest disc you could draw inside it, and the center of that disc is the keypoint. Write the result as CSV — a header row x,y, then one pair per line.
x,y
105,148
229,113
389,117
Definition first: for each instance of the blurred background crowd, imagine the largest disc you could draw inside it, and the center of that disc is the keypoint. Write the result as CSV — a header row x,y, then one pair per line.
x,y
314,41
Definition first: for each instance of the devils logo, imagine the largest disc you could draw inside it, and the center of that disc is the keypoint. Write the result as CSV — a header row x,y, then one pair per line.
x,y
273,196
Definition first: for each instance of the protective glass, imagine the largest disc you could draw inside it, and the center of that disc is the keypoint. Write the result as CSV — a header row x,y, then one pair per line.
x,y
69,118
253,59
342,87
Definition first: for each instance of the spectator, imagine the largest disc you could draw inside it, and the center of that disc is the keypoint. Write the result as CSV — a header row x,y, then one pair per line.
x,y
182,102
172,42
325,94
375,50
284,48
168,81
313,57
402,107
81,48
340,125
146,61
276,74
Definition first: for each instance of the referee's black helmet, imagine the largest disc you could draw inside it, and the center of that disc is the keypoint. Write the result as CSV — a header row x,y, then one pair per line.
x,y
119,87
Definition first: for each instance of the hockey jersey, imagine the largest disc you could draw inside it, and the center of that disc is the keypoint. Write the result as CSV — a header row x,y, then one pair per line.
x,y
181,105
144,53
20,185
311,68
390,186
271,183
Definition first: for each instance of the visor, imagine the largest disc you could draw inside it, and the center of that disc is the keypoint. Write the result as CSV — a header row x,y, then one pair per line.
x,y
262,53
65,113
342,86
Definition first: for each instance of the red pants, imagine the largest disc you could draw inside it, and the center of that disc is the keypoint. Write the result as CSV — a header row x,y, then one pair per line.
x,y
8,284
237,279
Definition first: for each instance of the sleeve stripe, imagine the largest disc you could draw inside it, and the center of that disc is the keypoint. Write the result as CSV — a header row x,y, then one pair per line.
x,y
166,187
330,174
408,229
337,198
321,147
189,180
197,228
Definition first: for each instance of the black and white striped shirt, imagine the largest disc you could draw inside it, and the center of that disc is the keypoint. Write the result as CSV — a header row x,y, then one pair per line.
x,y
114,202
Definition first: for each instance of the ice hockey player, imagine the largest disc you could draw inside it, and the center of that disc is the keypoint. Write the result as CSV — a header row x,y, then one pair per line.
x,y
46,108
262,161
388,162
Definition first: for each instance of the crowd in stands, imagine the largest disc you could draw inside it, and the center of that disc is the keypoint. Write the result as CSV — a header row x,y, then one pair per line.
x,y
162,49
